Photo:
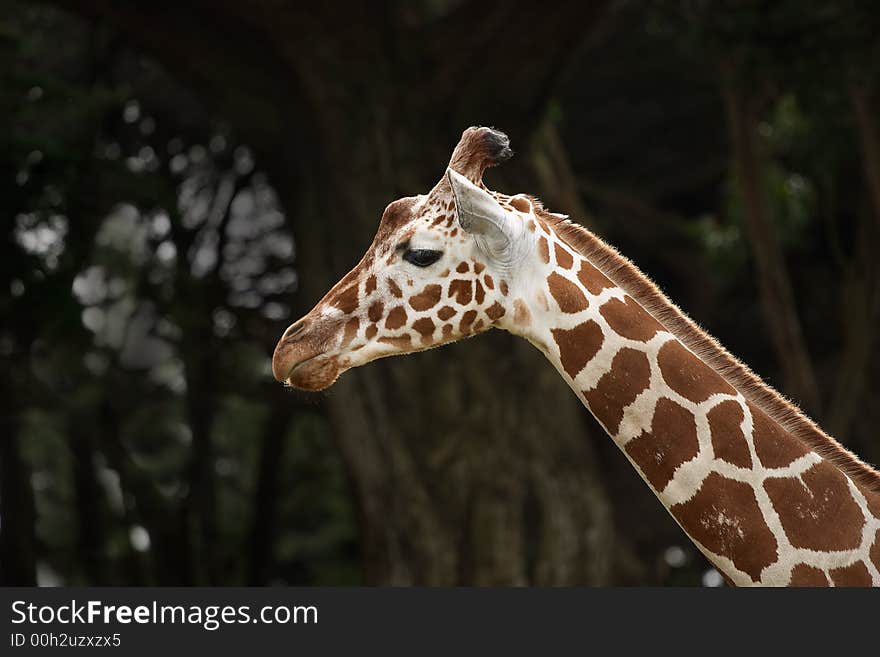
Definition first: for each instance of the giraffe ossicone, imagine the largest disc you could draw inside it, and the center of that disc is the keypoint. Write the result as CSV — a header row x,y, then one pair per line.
x,y
759,489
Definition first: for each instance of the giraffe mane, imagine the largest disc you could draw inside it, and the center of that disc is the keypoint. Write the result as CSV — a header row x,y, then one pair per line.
x,y
621,271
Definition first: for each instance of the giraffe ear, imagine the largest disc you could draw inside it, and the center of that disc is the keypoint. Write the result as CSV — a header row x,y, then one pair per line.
x,y
480,215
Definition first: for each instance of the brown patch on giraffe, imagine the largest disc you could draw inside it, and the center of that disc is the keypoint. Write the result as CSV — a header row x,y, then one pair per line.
x,y
462,290
396,318
567,294
479,292
444,273
427,298
446,312
577,346
592,279
563,258
463,267
347,300
873,500
629,375
543,249
688,375
487,280
875,550
351,329
478,267
806,575
401,342
495,311
521,314
394,288
370,285
724,517
371,331
454,232
375,311
775,447
816,510
503,288
531,225
466,320
521,204
480,324
447,330
854,575
629,319
425,328
671,441
728,441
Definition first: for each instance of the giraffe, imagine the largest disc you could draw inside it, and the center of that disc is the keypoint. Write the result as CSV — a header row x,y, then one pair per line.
x,y
760,490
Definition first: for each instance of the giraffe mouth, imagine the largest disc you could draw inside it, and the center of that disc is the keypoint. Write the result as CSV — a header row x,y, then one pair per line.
x,y
304,371
285,378
316,373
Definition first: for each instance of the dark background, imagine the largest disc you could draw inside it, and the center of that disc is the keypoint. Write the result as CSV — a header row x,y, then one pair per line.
x,y
179,181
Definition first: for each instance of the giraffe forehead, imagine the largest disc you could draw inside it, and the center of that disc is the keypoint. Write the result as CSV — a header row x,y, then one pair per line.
x,y
432,217
428,217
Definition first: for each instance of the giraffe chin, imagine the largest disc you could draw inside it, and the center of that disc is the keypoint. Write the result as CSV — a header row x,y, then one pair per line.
x,y
315,374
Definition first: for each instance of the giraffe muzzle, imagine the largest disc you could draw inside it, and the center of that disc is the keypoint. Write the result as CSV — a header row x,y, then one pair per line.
x,y
299,359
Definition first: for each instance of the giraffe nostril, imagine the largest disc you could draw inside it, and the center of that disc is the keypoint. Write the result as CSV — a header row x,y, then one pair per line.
x,y
293,329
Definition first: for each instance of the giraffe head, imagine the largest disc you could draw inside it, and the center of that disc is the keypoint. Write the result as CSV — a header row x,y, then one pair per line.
x,y
441,267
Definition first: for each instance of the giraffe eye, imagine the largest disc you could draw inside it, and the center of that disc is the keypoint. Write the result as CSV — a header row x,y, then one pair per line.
x,y
422,257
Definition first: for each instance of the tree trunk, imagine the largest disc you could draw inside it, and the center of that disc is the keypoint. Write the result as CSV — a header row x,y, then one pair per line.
x,y
201,504
91,535
264,520
17,542
869,141
774,286
860,299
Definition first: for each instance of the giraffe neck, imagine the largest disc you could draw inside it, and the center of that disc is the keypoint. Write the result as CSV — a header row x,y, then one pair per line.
x,y
762,505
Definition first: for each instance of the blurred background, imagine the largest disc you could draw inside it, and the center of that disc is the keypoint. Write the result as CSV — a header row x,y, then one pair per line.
x,y
180,180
